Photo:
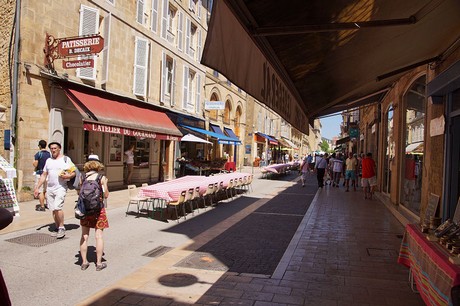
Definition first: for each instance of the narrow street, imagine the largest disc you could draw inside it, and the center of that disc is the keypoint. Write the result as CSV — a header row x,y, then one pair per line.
x,y
50,274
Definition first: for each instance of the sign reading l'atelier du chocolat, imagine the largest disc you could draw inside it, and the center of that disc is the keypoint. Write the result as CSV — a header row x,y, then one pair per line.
x,y
78,46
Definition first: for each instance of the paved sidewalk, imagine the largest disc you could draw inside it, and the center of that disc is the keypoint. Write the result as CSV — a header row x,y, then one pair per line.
x,y
343,253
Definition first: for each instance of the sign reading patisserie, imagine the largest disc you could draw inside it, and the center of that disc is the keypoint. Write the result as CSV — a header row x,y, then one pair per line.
x,y
80,45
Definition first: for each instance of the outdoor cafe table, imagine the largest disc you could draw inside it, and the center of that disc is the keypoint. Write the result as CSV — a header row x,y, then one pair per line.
x,y
171,190
437,279
279,168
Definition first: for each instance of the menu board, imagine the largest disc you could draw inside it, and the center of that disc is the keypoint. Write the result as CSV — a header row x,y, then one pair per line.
x,y
433,202
8,197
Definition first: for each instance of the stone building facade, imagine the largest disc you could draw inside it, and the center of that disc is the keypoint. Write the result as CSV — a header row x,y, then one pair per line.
x,y
7,7
413,135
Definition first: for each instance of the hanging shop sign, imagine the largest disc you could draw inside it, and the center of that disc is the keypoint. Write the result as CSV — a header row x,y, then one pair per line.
x,y
57,48
80,45
82,63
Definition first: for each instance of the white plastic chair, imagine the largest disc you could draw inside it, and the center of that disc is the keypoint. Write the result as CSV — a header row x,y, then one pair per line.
x,y
134,199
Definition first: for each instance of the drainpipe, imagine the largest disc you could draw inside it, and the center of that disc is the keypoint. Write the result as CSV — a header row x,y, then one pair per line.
x,y
14,89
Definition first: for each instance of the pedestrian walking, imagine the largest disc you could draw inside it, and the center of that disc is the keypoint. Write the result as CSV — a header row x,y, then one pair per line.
x,y
57,171
337,168
368,180
351,164
98,220
304,170
310,163
320,167
39,162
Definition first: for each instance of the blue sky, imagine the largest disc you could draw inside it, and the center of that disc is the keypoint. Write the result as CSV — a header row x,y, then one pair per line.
x,y
331,126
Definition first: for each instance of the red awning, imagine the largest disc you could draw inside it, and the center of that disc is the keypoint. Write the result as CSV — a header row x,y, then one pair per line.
x,y
106,115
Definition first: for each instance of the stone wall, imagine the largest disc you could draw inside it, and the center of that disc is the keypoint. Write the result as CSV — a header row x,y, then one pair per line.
x,y
7,8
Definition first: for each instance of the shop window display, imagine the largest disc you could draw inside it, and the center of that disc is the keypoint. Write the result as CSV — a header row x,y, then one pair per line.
x,y
141,151
414,133
115,151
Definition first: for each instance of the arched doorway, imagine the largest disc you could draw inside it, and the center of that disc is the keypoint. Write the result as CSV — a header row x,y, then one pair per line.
x,y
413,135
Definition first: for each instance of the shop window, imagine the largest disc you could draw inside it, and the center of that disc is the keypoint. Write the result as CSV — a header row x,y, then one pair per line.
x,y
414,107
141,150
115,148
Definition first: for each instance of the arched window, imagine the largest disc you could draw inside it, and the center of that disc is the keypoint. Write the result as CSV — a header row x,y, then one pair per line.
x,y
227,111
213,113
238,114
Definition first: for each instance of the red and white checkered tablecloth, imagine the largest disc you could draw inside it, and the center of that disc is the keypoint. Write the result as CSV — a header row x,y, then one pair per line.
x,y
171,190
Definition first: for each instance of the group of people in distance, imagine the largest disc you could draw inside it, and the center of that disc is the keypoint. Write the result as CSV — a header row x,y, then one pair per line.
x,y
334,166
53,170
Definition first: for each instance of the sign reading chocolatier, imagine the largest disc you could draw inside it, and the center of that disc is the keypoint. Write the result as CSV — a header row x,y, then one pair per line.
x,y
80,45
82,63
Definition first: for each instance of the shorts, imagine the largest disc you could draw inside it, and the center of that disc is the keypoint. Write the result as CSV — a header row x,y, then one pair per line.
x,y
55,198
43,186
304,175
350,174
371,181
97,221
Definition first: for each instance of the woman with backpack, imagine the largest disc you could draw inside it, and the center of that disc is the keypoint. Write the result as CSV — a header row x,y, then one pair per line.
x,y
97,218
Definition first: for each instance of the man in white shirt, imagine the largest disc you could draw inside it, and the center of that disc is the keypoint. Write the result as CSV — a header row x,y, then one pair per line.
x,y
58,169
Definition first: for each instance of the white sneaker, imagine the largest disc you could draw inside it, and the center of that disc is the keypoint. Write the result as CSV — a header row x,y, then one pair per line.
x,y
60,233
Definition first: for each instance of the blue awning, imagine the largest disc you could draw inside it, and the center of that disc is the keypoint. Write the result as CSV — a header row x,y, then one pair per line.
x,y
271,140
230,133
221,138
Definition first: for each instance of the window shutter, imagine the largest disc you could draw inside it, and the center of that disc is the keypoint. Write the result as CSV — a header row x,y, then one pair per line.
x,y
185,91
198,93
89,22
140,11
198,9
164,76
105,52
164,19
173,102
140,67
199,46
190,5
188,28
180,27
154,21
